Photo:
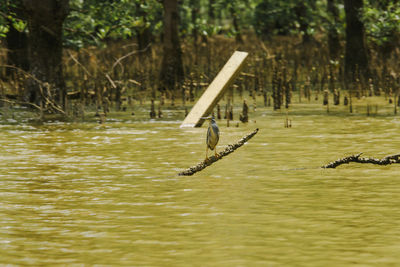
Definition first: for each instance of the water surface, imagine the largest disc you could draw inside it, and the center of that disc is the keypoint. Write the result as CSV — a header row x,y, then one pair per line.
x,y
74,193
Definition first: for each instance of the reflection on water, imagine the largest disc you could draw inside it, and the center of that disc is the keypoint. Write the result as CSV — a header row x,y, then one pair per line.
x,y
109,194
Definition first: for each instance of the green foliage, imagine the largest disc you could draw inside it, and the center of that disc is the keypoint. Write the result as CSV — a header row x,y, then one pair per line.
x,y
3,30
221,21
92,22
273,17
10,18
3,19
285,17
382,22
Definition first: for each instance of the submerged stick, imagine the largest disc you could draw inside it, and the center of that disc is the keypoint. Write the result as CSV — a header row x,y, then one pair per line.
x,y
356,158
229,149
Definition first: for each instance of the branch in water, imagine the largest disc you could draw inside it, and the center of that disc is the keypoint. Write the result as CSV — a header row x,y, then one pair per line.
x,y
229,149
356,158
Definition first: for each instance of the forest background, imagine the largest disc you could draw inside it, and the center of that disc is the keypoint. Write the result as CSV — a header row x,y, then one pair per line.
x,y
71,56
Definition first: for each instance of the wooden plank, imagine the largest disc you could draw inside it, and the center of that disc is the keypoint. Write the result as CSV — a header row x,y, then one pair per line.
x,y
215,90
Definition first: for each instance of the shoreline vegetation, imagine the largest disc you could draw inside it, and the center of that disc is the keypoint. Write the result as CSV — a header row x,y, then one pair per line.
x,y
278,75
70,58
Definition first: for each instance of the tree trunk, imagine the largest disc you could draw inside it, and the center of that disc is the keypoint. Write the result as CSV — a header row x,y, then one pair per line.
x,y
143,35
194,14
17,42
211,15
143,38
172,67
45,19
333,35
17,50
356,59
235,22
301,13
195,32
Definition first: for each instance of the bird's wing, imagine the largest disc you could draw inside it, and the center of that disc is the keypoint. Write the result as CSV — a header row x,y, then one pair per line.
x,y
208,135
216,131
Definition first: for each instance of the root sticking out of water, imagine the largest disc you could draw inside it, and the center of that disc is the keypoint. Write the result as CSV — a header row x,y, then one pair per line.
x,y
356,158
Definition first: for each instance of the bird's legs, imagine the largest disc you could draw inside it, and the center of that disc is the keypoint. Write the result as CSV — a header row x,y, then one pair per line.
x,y
215,153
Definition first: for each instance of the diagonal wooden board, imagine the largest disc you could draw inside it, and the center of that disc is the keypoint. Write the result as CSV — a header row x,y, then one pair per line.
x,y
215,90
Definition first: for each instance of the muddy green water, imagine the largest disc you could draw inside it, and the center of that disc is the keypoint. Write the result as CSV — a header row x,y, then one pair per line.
x,y
108,194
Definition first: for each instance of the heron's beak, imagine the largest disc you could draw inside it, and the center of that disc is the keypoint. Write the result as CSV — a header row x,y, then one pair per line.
x,y
206,118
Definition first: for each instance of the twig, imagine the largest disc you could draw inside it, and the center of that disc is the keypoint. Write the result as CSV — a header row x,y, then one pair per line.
x,y
48,101
110,80
356,158
24,72
80,64
40,83
19,102
229,149
266,50
129,54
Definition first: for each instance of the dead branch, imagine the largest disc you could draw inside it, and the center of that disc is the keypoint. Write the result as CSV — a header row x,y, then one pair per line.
x,y
13,102
41,84
229,149
129,54
49,101
24,72
356,158
79,64
110,80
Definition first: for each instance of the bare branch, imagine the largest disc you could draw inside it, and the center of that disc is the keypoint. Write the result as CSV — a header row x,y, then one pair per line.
x,y
19,102
356,158
129,54
41,85
80,64
110,80
229,149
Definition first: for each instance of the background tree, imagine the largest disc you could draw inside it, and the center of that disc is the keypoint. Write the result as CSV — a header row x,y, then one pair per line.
x,y
333,33
271,18
233,9
287,17
16,37
108,24
172,67
356,59
143,33
45,23
302,10
211,15
95,22
382,19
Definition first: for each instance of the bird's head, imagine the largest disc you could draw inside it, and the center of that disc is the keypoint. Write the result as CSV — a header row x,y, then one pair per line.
x,y
209,118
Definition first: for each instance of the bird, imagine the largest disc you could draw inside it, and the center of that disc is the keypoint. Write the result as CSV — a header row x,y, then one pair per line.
x,y
212,136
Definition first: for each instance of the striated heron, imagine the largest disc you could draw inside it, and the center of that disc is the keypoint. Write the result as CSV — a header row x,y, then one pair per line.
x,y
212,136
